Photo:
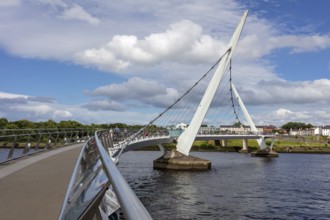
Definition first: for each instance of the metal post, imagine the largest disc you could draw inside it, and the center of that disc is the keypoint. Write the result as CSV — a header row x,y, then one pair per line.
x,y
11,152
58,133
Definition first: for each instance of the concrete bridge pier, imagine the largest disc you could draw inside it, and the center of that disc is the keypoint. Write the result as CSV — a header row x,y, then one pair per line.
x,y
245,146
268,152
174,160
223,143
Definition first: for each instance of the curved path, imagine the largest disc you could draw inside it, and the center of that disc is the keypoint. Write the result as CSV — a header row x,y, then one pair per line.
x,y
35,187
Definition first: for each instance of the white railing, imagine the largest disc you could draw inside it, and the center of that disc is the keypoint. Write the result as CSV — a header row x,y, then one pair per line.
x,y
97,186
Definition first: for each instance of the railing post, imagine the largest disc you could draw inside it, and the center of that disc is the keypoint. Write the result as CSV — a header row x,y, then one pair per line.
x,y
38,142
11,152
58,133
27,146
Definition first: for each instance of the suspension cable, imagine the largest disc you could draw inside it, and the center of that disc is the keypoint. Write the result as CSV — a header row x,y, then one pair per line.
x,y
186,93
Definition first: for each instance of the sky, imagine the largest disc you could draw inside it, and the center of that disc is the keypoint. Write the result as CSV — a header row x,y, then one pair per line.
x,y
124,61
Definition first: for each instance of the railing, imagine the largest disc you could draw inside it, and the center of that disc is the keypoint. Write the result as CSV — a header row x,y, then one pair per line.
x,y
97,188
16,143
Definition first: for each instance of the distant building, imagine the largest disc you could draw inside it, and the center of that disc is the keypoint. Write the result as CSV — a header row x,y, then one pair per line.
x,y
301,132
231,129
239,129
322,130
267,129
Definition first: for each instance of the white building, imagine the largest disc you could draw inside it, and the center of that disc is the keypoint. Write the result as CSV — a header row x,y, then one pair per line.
x,y
239,129
322,130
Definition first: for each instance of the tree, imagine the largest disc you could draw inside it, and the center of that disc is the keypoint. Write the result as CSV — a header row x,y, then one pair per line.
x,y
296,125
237,124
24,124
70,124
50,124
3,122
11,125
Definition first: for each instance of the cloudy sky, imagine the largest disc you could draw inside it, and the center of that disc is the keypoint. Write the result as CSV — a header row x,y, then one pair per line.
x,y
123,61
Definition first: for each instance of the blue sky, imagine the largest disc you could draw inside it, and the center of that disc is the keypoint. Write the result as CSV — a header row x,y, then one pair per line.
x,y
107,61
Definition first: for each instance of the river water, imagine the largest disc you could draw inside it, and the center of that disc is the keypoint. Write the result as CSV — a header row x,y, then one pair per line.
x,y
292,186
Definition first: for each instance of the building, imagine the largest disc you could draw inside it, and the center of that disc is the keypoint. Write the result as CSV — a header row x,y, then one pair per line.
x,y
232,129
301,132
239,129
322,130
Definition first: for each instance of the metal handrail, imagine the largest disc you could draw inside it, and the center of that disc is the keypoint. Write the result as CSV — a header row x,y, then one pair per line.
x,y
130,203
17,143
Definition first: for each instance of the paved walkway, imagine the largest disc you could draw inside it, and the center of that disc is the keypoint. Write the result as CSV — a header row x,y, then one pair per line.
x,y
34,188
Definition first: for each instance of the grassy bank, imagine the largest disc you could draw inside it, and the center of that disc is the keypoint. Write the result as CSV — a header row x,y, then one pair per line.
x,y
309,144
280,146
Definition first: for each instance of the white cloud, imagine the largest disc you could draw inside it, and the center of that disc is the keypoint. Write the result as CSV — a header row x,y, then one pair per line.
x,y
19,106
101,58
308,115
10,3
256,46
59,3
283,92
182,42
77,12
149,92
290,115
5,95
301,44
104,105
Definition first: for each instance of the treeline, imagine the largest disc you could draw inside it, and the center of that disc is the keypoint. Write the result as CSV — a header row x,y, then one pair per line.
x,y
26,124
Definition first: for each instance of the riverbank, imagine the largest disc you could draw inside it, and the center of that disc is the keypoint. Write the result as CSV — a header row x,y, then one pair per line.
x,y
236,145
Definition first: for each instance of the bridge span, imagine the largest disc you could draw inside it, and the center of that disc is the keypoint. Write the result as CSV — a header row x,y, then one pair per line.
x,y
145,141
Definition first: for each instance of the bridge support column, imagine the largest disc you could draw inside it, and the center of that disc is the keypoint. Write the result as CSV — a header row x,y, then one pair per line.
x,y
174,160
266,152
223,143
245,146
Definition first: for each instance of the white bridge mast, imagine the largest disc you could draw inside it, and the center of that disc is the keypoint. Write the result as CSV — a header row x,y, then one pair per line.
x,y
186,139
261,141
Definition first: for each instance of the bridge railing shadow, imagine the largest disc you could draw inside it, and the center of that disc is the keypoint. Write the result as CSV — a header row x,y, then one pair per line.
x,y
97,189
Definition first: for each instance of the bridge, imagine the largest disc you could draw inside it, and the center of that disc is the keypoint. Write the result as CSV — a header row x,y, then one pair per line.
x,y
96,188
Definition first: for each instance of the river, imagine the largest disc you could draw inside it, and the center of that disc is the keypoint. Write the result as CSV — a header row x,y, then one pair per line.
x,y
292,186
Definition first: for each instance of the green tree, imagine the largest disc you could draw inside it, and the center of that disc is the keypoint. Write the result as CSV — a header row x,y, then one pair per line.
x,y
70,124
11,125
24,124
237,124
3,122
296,125
50,124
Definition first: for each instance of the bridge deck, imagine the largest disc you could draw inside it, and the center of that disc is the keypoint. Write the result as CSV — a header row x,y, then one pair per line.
x,y
34,188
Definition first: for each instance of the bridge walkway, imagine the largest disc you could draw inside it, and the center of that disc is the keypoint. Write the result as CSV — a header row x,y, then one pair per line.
x,y
35,187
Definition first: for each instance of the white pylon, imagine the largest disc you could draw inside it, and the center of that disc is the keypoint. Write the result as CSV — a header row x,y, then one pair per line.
x,y
261,141
186,139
